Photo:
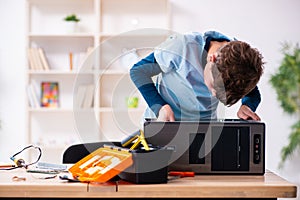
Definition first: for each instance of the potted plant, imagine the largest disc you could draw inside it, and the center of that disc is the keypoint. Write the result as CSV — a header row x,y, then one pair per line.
x,y
72,18
286,82
72,24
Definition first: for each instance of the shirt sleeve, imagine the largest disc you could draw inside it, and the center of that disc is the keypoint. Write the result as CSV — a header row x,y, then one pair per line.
x,y
252,99
141,74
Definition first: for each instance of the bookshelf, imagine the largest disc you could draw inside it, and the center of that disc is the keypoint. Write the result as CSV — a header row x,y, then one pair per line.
x,y
111,35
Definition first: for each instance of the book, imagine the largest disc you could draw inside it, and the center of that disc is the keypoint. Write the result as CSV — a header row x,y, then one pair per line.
x,y
89,96
31,59
37,59
36,88
71,60
50,94
78,59
43,58
32,96
80,95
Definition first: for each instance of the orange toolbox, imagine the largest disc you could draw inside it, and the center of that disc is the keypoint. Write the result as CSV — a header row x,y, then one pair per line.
x,y
102,164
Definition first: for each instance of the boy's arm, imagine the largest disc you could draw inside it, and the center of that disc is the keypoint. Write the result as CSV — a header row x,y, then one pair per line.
x,y
141,74
252,99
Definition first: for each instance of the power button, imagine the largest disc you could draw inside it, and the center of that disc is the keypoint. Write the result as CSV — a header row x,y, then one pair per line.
x,y
257,148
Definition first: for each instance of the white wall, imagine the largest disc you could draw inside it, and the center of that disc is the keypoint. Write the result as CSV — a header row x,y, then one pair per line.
x,y
12,78
264,24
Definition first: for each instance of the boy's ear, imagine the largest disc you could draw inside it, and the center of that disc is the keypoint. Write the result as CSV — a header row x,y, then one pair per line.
x,y
213,57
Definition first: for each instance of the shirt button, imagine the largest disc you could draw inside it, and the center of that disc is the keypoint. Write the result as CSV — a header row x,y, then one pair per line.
x,y
172,37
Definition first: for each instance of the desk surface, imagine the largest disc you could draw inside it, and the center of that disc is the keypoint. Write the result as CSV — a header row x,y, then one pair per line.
x,y
269,185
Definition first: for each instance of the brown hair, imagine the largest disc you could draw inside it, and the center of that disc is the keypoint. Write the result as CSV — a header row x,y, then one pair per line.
x,y
236,72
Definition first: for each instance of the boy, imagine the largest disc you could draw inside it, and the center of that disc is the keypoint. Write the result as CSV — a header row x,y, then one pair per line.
x,y
194,72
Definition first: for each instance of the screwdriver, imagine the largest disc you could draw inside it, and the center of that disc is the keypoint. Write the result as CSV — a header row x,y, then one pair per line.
x,y
181,174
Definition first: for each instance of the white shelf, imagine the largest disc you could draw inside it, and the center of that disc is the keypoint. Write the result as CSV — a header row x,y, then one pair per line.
x,y
50,110
112,28
146,32
113,72
60,35
110,109
60,72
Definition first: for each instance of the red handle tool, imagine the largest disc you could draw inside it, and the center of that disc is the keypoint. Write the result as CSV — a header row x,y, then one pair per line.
x,y
181,174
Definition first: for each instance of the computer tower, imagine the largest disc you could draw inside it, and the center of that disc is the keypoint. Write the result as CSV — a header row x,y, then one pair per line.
x,y
229,146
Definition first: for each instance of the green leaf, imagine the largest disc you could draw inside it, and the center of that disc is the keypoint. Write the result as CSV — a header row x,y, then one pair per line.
x,y
72,17
294,143
286,81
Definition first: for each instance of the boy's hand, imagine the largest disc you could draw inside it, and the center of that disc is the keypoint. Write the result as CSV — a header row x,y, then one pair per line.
x,y
246,113
166,114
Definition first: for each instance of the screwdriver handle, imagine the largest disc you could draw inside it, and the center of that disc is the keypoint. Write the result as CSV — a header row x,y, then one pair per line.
x,y
181,174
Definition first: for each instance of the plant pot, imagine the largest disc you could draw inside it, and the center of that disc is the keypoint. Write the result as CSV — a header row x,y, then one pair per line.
x,y
71,27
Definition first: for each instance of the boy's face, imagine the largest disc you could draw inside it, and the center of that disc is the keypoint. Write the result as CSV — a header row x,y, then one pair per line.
x,y
208,77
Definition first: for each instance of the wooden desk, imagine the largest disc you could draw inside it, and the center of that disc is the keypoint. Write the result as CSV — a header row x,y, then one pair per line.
x,y
268,186
34,186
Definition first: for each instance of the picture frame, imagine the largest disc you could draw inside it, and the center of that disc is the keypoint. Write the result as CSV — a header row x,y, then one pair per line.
x,y
50,94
